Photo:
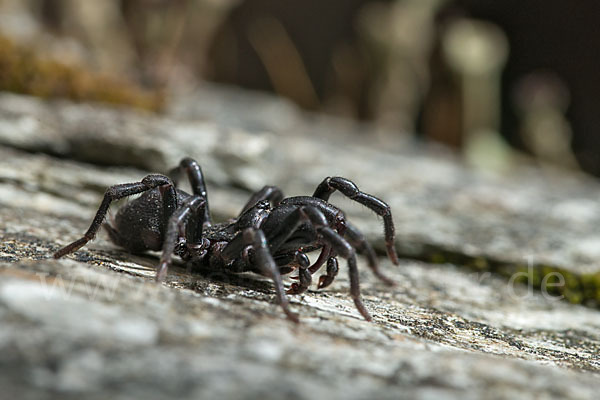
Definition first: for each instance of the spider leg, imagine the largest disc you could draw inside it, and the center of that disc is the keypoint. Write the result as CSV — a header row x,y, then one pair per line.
x,y
321,259
271,193
196,179
304,276
117,192
362,246
262,258
253,216
278,237
285,229
194,205
350,190
332,271
329,237
340,246
289,262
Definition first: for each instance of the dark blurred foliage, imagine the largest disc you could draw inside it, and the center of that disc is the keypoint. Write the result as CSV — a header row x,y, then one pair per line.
x,y
22,71
157,43
308,51
554,58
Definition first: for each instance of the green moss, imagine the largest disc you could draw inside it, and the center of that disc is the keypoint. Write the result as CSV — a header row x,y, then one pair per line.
x,y
571,282
555,281
22,71
437,258
573,297
480,263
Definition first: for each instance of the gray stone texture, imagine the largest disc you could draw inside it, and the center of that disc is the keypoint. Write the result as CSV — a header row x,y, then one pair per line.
x,y
95,325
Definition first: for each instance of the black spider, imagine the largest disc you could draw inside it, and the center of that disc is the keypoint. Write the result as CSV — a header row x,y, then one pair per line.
x,y
271,236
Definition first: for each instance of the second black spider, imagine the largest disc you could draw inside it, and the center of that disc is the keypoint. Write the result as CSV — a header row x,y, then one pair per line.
x,y
271,236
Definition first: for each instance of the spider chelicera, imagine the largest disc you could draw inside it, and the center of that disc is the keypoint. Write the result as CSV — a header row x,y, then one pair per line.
x,y
271,236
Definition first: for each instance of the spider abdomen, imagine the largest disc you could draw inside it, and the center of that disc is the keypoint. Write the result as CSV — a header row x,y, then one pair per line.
x,y
140,224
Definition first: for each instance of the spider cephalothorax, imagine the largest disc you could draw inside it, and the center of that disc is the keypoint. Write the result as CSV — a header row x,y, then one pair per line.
x,y
271,235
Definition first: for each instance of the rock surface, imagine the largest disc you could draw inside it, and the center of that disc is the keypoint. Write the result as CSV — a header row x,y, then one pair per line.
x,y
445,212
95,324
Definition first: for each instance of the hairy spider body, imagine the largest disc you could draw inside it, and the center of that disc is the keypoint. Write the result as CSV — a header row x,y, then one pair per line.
x,y
271,236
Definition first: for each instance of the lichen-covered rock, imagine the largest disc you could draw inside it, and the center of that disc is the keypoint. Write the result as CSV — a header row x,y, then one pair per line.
x,y
532,221
95,324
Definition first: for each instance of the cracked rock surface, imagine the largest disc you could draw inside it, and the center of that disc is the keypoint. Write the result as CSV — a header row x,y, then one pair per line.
x,y
95,325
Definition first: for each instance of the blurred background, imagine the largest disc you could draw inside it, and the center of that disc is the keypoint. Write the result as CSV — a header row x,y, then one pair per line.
x,y
499,81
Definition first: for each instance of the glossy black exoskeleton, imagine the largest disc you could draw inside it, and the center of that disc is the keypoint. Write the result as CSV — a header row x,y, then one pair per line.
x,y
271,235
